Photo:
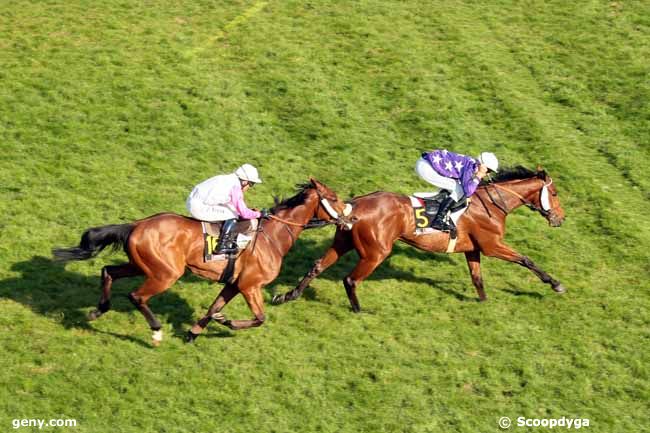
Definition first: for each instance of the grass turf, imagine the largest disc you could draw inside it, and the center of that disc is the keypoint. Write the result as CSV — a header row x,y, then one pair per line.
x,y
111,111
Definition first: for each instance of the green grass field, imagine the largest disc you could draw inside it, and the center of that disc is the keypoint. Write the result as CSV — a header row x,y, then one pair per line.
x,y
112,110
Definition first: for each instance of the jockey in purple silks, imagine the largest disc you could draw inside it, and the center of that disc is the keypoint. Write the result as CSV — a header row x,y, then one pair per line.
x,y
456,173
221,198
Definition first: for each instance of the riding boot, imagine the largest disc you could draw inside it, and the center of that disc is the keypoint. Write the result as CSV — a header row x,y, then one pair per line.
x,y
439,221
226,244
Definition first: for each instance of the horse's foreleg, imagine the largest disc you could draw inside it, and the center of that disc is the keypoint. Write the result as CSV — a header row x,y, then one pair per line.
x,y
342,245
474,264
504,252
110,274
255,301
214,312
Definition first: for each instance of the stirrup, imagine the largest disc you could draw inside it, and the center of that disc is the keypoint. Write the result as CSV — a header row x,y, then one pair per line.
x,y
225,250
443,227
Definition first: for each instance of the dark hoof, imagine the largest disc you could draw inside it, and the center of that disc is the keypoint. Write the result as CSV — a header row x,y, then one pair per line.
x,y
94,315
483,299
356,310
190,337
228,324
559,288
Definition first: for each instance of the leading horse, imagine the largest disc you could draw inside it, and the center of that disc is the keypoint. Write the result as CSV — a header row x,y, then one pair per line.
x,y
382,218
162,246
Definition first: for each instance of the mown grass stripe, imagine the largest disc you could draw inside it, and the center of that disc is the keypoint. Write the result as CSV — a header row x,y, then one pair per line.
x,y
230,26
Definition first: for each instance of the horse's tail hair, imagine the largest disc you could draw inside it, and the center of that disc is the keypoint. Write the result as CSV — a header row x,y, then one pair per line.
x,y
94,240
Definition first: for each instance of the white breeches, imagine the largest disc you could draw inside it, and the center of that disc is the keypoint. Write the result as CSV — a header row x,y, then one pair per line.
x,y
426,172
203,212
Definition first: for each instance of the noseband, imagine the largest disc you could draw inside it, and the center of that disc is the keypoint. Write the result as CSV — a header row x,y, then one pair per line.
x,y
339,220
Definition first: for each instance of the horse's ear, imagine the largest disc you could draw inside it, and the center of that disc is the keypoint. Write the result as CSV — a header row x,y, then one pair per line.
x,y
322,188
316,184
539,168
541,173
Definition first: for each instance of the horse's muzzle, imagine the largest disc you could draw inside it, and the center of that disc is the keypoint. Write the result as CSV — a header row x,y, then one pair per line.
x,y
555,221
346,222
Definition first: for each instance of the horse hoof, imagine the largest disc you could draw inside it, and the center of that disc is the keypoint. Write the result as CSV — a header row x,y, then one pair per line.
x,y
277,300
559,288
482,299
155,343
94,315
190,337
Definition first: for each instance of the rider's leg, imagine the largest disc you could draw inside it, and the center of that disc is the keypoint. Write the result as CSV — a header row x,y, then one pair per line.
x,y
439,221
426,172
226,244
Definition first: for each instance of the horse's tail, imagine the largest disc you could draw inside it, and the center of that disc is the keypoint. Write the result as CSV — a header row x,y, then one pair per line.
x,y
94,240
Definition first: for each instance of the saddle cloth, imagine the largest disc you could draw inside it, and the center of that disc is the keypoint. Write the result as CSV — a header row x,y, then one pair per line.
x,y
245,230
425,206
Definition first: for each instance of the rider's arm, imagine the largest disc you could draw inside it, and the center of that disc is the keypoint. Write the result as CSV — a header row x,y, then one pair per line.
x,y
237,200
468,180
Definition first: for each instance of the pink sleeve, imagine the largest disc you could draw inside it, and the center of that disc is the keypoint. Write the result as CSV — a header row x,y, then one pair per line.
x,y
237,200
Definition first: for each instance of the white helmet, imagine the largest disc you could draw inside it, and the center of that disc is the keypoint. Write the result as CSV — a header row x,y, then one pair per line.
x,y
489,160
249,173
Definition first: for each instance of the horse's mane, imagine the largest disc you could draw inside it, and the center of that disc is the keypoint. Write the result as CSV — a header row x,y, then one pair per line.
x,y
512,173
296,200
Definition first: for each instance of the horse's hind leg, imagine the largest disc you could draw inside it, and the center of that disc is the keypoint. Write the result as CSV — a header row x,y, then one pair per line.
x,y
361,271
474,263
140,297
342,244
110,274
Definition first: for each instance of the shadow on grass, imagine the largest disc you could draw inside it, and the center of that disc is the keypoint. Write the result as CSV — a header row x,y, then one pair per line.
x,y
301,259
517,292
47,288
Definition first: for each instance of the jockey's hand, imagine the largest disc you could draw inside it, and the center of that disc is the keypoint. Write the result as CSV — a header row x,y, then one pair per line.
x,y
481,171
264,213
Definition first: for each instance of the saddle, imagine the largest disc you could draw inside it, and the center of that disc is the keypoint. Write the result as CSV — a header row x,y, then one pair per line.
x,y
425,208
432,202
244,233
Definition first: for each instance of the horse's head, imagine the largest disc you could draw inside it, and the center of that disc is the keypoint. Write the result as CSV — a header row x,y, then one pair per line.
x,y
331,208
547,201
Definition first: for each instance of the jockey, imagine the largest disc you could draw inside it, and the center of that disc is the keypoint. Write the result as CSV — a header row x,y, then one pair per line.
x,y
221,198
456,173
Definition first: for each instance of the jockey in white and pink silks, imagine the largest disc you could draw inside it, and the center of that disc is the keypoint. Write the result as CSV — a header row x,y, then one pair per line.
x,y
221,198
456,173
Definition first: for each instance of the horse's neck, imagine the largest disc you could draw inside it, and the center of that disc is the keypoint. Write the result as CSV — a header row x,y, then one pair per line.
x,y
523,187
285,234
300,214
497,196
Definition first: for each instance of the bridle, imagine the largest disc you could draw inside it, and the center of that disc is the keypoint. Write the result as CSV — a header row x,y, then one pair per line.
x,y
325,204
322,202
544,200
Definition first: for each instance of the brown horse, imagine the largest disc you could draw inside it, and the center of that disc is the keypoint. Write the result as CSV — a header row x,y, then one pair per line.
x,y
162,246
383,218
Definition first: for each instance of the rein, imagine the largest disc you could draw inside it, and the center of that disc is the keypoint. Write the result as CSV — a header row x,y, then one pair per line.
x,y
322,201
283,221
501,208
527,203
